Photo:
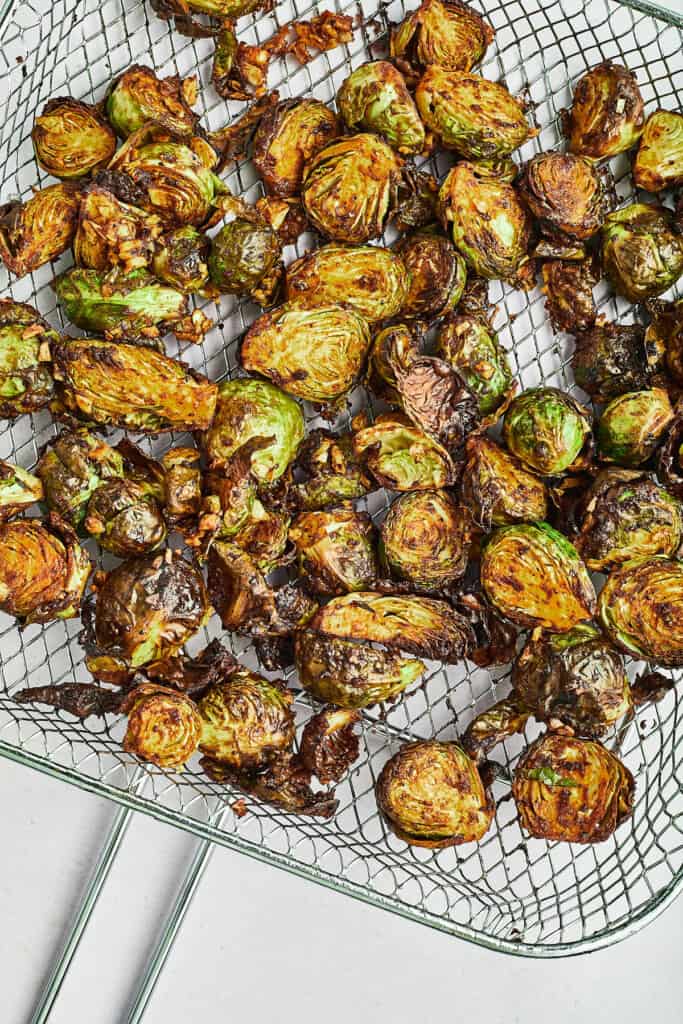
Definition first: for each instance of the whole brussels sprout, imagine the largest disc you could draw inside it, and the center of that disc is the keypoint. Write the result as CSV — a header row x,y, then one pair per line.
x,y
349,673
632,425
335,551
163,725
289,135
571,790
476,117
498,489
138,96
181,260
659,160
19,490
670,457
367,278
349,186
125,518
449,34
547,429
641,609
534,576
401,457
243,257
425,539
112,234
641,253
131,386
610,359
566,194
39,230
568,289
626,515
471,346
26,382
330,471
71,139
431,794
72,468
436,272
393,350
375,97
606,117
315,354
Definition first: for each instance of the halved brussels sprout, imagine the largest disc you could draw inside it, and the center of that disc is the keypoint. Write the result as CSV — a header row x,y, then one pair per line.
x,y
112,234
415,202
670,457
72,468
498,489
19,489
491,727
659,160
568,289
182,496
243,259
72,139
566,194
335,551
401,457
607,112
26,382
431,794
125,518
39,230
349,187
163,725
425,539
329,745
367,278
632,425
436,272
375,97
471,346
535,577
181,259
435,397
641,252
449,34
331,473
315,354
547,429
610,359
641,609
138,96
571,790
393,350
288,136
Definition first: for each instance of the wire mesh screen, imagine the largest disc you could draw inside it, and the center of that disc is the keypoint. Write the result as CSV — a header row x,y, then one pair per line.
x,y
508,891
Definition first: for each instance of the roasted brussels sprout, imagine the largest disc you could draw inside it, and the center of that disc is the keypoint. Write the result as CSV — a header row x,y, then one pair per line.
x,y
425,539
476,117
112,234
610,359
449,34
535,577
547,429
349,187
632,425
471,346
670,457
138,96
664,340
315,354
335,551
401,457
19,490
71,139
72,468
43,570
491,727
641,253
39,230
181,260
329,746
571,790
130,386
79,699
288,136
182,486
393,350
331,473
431,794
243,258
641,609
125,517
283,783
435,397
606,117
415,201
567,194
436,274
163,725
568,288
26,382
375,97
498,489
659,160
367,278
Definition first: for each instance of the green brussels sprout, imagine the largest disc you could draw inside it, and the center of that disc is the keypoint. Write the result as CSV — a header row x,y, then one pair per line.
x,y
289,135
568,289
436,399
138,96
226,53
471,346
641,253
163,725
112,234
607,116
71,139
349,186
375,98
19,490
335,551
431,794
401,457
632,425
547,429
571,790
497,487
534,576
367,278
26,382
43,570
425,539
314,354
575,678
349,673
329,472
246,720
243,258
489,224
230,9
610,359
449,34
72,468
393,350
659,160
181,260
125,518
626,515
130,386
436,272
670,457
39,230
476,117
567,194
641,609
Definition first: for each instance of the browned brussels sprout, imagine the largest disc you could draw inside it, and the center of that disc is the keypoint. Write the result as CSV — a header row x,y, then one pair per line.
x,y
349,187
401,457
19,490
571,790
567,194
182,486
447,33
659,160
72,468
425,539
112,234
181,260
491,727
330,471
610,359
670,457
415,204
125,517
72,139
26,382
163,725
471,346
288,136
393,350
498,489
138,96
606,117
664,338
435,397
329,746
641,252
535,577
568,288
244,258
283,783
335,551
436,274
632,425
39,230
79,699
641,609
375,97
431,794
547,429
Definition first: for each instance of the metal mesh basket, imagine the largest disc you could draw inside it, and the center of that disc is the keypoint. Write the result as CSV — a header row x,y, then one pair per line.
x,y
508,892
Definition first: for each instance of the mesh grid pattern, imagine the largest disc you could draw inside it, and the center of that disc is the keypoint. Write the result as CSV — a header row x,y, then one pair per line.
x,y
508,892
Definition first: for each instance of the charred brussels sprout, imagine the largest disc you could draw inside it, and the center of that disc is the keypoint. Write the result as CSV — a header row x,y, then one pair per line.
x,y
125,517
498,489
243,256
71,139
659,160
449,34
112,234
401,457
571,790
349,187
138,96
471,346
329,745
393,350
181,260
611,359
375,97
39,230
246,720
416,200
535,577
288,136
547,429
26,382
435,397
664,338
641,253
163,725
641,609
670,457
568,289
436,273
566,194
425,539
632,425
431,794
606,117
315,354
72,469
328,472
19,490
335,551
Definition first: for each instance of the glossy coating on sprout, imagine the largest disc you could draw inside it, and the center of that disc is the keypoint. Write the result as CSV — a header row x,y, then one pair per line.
x,y
606,116
288,136
547,429
659,161
71,139
375,98
632,426
335,550
425,539
641,252
498,488
641,609
245,720
26,382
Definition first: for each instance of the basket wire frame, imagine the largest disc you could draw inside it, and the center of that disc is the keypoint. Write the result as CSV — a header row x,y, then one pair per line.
x,y
508,892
